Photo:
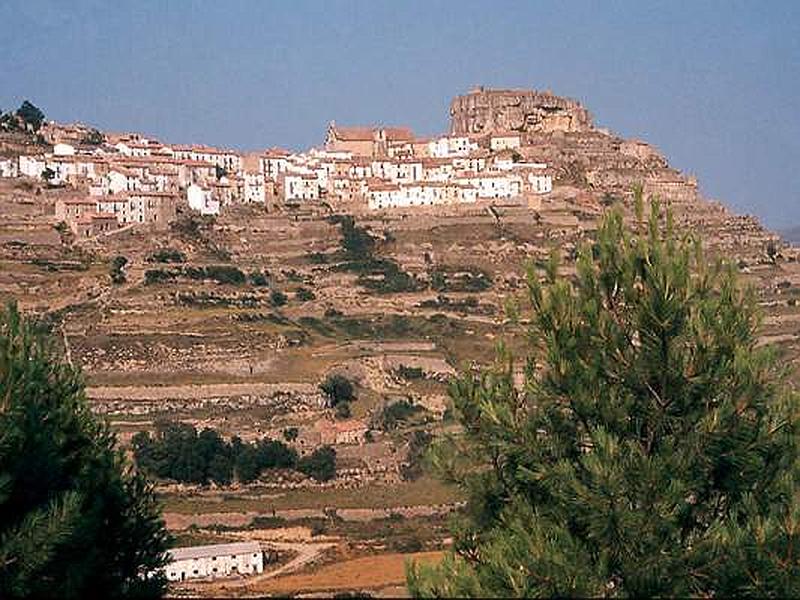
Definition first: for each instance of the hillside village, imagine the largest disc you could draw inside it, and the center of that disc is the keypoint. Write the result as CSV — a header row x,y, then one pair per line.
x,y
205,289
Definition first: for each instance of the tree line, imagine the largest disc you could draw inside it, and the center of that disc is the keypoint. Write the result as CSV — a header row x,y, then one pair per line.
x,y
179,452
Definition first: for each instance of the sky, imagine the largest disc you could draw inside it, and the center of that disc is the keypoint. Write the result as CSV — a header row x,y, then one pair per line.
x,y
714,85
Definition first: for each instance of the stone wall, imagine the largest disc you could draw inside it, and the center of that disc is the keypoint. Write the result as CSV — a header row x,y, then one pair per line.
x,y
486,111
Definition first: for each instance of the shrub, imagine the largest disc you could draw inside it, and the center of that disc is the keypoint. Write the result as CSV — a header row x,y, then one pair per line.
x,y
152,276
167,255
343,411
338,389
225,274
394,414
320,465
304,294
278,298
410,372
117,269
258,279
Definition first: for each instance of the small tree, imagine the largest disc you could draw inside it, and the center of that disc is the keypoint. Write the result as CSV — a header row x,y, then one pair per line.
x,y
337,388
118,269
48,174
93,137
343,411
320,464
303,294
31,116
651,451
277,298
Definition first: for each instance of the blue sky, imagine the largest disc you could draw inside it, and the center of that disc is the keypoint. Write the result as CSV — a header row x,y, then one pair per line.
x,y
714,85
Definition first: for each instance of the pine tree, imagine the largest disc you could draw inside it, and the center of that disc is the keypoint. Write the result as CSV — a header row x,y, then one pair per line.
x,y
75,520
651,450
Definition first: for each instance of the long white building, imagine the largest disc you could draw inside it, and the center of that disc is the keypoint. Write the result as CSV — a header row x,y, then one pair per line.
x,y
216,560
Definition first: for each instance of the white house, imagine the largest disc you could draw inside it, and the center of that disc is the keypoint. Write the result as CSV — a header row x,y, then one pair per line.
x,y
121,179
423,193
32,166
490,185
62,149
540,183
254,189
506,141
216,560
9,167
446,147
200,199
300,186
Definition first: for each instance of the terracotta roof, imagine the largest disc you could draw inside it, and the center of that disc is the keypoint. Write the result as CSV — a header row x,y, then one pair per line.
x,y
352,134
399,134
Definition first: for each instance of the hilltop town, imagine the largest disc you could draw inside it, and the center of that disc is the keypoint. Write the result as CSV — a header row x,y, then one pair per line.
x,y
229,291
503,146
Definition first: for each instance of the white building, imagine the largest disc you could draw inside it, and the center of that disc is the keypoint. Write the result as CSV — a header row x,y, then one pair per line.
x,y
506,141
32,166
423,193
540,183
62,149
216,560
300,186
200,199
446,147
254,189
490,185
9,167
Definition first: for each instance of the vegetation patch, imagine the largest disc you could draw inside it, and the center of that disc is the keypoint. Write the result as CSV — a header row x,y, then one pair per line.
x,y
448,278
178,452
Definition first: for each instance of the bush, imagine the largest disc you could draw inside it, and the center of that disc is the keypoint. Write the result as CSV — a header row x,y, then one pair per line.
x,y
152,276
117,269
338,389
394,414
278,298
258,279
320,465
410,372
225,274
304,294
167,255
343,410
446,278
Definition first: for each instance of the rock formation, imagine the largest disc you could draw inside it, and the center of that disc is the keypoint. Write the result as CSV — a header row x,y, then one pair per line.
x,y
487,111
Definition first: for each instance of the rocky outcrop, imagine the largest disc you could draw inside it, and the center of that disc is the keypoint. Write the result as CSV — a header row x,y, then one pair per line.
x,y
488,111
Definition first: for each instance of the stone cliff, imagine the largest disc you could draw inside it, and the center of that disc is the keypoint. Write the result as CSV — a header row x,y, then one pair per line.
x,y
487,111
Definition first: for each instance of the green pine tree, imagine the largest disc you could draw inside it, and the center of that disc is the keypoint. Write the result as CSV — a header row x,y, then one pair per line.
x,y
651,450
75,520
